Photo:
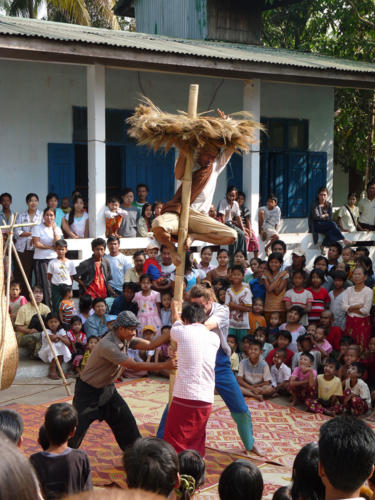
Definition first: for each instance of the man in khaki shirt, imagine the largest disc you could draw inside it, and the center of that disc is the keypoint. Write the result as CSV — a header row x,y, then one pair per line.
x,y
95,396
132,275
30,338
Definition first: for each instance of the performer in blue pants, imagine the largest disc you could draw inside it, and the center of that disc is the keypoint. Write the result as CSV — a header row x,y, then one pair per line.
x,y
225,381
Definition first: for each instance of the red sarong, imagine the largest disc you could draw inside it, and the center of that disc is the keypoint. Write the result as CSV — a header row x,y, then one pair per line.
x,y
359,329
185,428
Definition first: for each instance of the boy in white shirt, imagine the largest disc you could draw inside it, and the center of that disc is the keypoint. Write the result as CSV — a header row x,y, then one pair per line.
x,y
193,392
357,397
280,373
60,271
269,218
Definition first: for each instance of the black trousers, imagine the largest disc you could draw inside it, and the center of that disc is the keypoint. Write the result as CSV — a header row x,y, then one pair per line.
x,y
103,404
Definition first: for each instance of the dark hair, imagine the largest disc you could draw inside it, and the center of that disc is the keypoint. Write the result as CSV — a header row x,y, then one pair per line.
x,y
127,190
193,313
72,212
231,188
131,285
37,288
318,259
53,315
275,256
112,237
242,252
151,464
282,351
241,193
241,480
336,245
156,202
138,253
363,249
92,337
50,196
60,421
98,300
254,341
298,310
317,272
85,303
74,319
261,329
279,242
308,355
47,209
232,336
11,424
6,194
31,195
97,242
272,197
17,477
14,283
360,368
43,438
258,299
370,183
64,289
307,484
192,464
223,281
301,272
113,199
238,268
366,263
222,250
141,185
332,361
303,338
345,339
346,452
286,334
61,243
146,205
164,327
248,338
338,275
282,493
145,277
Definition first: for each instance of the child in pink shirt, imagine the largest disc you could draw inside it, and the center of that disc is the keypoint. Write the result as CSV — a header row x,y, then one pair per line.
x,y
302,383
320,343
16,300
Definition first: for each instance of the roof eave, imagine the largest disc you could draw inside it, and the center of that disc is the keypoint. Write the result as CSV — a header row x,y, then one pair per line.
x,y
37,49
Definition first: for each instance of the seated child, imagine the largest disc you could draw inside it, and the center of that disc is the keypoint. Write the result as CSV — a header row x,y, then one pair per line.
x,y
114,215
273,328
165,310
357,397
351,356
11,424
148,334
16,300
162,352
60,344
254,375
234,358
320,342
245,346
369,362
345,343
78,342
256,317
306,345
124,302
66,308
280,373
302,383
282,342
329,392
261,335
61,470
238,299
91,343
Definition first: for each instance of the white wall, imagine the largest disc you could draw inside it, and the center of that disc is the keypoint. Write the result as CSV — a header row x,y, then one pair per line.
x,y
312,103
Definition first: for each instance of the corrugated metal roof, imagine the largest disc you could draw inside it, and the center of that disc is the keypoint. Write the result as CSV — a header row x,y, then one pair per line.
x,y
21,27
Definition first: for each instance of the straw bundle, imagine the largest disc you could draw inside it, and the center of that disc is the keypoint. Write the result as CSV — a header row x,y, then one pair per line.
x,y
156,129
8,342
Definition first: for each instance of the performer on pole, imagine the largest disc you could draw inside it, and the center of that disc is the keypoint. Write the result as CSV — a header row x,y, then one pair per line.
x,y
95,396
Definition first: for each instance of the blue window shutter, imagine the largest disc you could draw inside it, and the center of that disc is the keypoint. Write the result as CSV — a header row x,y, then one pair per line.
x,y
317,174
278,179
61,169
154,169
235,172
297,185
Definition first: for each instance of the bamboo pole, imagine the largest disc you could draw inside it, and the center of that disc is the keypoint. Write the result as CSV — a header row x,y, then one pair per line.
x,y
184,221
20,225
58,365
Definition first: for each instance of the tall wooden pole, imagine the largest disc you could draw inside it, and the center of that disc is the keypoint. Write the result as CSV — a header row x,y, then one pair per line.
x,y
184,220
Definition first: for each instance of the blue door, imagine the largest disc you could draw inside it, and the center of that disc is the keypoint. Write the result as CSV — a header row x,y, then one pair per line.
x,y
61,169
235,172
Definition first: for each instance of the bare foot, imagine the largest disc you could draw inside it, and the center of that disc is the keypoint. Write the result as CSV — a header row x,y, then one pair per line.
x,y
258,397
53,376
255,450
189,241
176,259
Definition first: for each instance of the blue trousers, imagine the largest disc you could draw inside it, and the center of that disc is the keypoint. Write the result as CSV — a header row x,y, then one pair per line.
x,y
330,230
228,388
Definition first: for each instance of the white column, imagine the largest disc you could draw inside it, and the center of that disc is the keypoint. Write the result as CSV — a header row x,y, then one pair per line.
x,y
96,148
251,161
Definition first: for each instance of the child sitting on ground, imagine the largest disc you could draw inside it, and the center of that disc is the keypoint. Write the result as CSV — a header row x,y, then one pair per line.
x,y
60,343
162,352
261,335
114,215
299,296
16,300
234,357
320,342
357,397
254,375
345,342
273,328
61,470
256,317
351,356
78,342
148,334
329,392
124,302
282,342
280,373
91,343
238,299
66,308
302,383
306,345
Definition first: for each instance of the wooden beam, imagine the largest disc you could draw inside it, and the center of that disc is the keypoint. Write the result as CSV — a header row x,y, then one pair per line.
x,y
35,49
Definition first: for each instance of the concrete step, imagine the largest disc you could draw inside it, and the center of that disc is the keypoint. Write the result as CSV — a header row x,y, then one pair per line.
x,y
32,368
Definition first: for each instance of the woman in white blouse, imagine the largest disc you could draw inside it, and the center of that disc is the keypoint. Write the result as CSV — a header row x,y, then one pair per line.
x,y
357,302
76,222
44,238
24,243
